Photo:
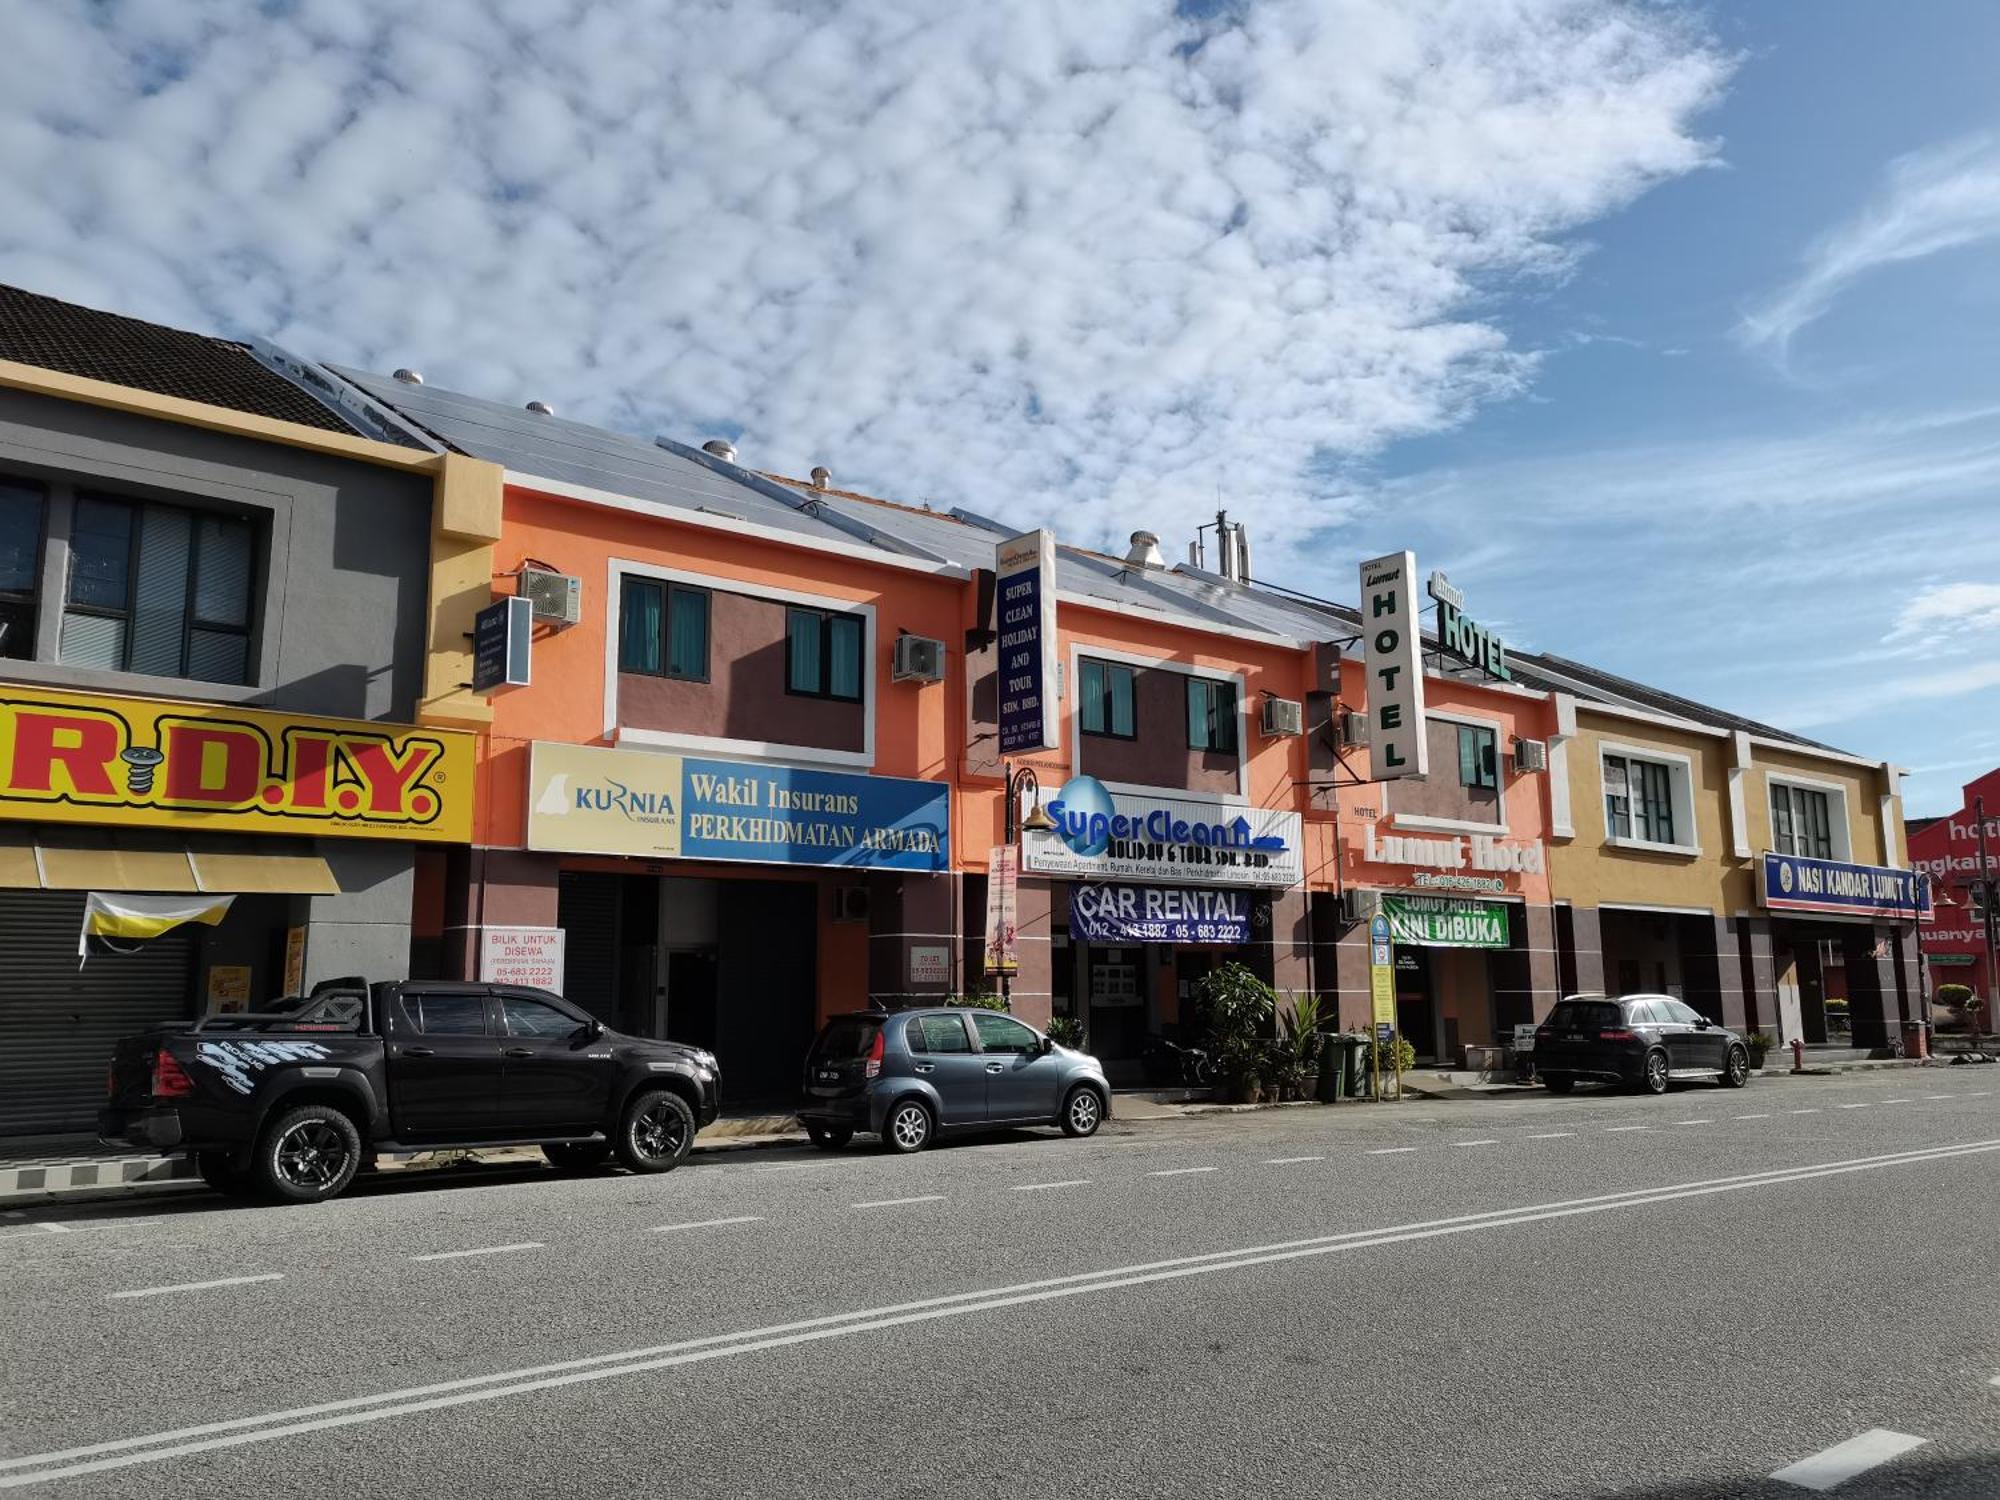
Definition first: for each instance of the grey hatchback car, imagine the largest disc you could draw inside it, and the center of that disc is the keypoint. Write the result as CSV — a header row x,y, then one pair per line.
x,y
906,1075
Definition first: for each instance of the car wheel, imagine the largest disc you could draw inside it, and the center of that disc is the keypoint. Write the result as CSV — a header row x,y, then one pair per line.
x,y
1654,1079
909,1127
1558,1083
219,1170
656,1132
307,1155
1082,1111
829,1137
575,1156
1736,1069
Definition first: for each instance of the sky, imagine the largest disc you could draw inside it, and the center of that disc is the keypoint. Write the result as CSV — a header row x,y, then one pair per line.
x,y
1668,330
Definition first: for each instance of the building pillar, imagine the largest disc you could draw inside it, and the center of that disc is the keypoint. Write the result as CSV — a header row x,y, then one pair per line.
x,y
1712,968
1281,940
1524,973
911,940
495,888
1871,986
1760,976
1034,926
1586,955
1347,979
364,929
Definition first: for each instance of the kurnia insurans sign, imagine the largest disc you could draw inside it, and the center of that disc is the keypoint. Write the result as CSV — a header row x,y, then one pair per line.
x,y
75,758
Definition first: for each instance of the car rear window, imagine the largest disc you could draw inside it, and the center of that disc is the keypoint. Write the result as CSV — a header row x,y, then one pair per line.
x,y
1585,1015
845,1039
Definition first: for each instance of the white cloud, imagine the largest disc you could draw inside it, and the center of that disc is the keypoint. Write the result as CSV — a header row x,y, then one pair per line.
x,y
1956,682
1934,200
1042,258
1942,610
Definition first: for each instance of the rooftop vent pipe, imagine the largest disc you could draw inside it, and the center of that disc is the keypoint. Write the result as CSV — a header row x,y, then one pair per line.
x,y
1145,551
822,477
722,448
541,408
409,376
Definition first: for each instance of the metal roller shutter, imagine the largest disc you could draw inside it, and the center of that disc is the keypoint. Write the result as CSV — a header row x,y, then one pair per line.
x,y
587,912
58,1022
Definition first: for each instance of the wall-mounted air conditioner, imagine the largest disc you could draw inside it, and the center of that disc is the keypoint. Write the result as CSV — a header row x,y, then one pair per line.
x,y
1531,755
1351,728
918,658
1355,905
1283,716
557,597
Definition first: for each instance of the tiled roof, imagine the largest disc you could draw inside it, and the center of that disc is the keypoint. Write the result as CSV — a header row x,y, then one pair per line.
x,y
57,335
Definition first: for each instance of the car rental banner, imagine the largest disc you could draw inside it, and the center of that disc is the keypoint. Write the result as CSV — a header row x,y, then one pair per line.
x,y
1121,914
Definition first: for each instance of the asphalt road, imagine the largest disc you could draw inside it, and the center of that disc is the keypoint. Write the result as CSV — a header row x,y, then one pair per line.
x,y
1672,1297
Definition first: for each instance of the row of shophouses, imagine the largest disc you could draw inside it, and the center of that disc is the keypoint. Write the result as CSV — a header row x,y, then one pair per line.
x,y
732,758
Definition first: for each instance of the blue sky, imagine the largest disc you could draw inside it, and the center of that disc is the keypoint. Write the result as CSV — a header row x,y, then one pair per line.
x,y
1668,329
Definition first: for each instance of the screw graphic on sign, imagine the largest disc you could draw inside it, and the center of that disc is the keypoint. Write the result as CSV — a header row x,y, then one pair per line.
x,y
140,764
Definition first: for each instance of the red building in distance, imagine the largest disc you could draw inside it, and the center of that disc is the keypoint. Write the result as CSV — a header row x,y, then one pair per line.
x,y
1954,940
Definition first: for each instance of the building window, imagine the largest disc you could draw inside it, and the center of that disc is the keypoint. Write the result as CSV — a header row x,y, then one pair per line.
x,y
823,654
21,510
1478,756
663,630
1639,799
1106,696
1801,821
158,589
1211,715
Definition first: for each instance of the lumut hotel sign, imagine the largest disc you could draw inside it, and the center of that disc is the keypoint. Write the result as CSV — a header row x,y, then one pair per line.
x,y
1390,638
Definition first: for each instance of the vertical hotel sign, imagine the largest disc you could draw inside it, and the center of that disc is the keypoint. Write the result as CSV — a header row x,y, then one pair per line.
x,y
1390,639
1025,570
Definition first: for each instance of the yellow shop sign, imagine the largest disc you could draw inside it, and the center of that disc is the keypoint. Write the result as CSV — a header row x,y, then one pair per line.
x,y
77,758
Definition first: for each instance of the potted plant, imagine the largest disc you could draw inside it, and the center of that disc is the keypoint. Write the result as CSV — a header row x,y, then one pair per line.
x,y
1067,1031
1299,1042
1758,1045
1239,1006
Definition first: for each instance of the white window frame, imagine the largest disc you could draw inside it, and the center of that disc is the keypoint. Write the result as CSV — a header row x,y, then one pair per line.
x,y
621,568
1073,715
1836,804
1424,822
1680,777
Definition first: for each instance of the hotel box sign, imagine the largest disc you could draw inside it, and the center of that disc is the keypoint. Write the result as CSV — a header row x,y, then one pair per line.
x,y
1390,638
1163,840
585,799
139,762
1793,882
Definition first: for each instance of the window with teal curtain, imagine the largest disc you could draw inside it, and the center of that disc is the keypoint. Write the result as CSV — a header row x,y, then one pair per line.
x,y
803,655
1477,757
1120,679
1106,699
844,658
640,607
687,634
1211,715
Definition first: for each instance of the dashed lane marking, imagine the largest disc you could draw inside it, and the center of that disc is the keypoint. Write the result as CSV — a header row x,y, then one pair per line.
x,y
200,1286
1038,1187
1895,1101
1853,1106
1937,1096
1286,1161
708,1223
1489,1141
1615,1129
1552,1135
1812,1111
1179,1171
1391,1150
899,1202
1749,1117
1694,1122
1843,1461
481,1250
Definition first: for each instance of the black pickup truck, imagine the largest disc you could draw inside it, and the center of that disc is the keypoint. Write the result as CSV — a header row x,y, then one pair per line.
x,y
291,1101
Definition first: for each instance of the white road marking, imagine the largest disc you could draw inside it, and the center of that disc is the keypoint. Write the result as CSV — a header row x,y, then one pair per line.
x,y
899,1202
1552,1135
1613,1130
1390,1150
201,1286
1694,1122
1488,1141
1286,1161
708,1223
1843,1461
1812,1111
1937,1096
1749,1117
119,1453
1036,1187
1979,1093
1179,1171
482,1250
1853,1106
1895,1101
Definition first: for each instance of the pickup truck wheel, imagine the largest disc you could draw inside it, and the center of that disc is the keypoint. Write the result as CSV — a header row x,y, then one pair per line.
x,y
308,1155
657,1131
219,1170
575,1156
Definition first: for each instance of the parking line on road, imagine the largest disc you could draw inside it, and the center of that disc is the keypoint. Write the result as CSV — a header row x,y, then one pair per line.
x,y
1179,1171
482,1250
1614,1129
707,1223
1843,1461
1286,1161
1036,1187
1552,1135
1390,1150
200,1286
899,1202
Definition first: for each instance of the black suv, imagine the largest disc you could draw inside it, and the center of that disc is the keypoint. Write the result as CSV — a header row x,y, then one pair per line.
x,y
1640,1041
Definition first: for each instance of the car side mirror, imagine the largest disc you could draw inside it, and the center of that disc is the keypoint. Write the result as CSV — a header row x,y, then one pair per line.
x,y
1046,1045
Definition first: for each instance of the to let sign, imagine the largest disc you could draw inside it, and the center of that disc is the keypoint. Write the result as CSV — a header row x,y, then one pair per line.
x,y
1025,570
531,956
1390,639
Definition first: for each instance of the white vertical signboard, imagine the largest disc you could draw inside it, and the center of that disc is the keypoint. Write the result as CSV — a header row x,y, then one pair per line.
x,y
1391,641
1025,579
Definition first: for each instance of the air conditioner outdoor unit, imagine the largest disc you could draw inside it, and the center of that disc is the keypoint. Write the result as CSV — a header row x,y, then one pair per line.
x,y
918,659
1283,716
1531,755
1352,728
557,597
1354,906
850,903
